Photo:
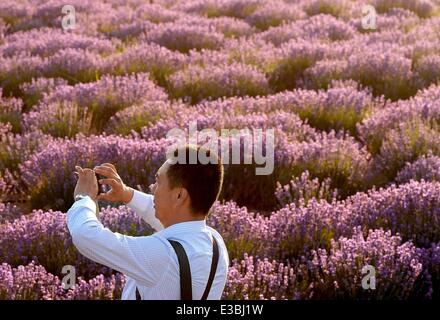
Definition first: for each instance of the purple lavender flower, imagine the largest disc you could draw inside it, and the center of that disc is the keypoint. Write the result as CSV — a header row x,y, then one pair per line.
x,y
338,273
74,65
18,69
388,74
8,211
180,37
302,189
260,279
405,144
228,26
158,61
428,69
337,156
86,108
35,90
273,14
143,115
242,230
213,8
423,8
338,8
14,148
157,13
411,210
320,27
47,41
199,83
392,20
10,111
427,167
33,282
295,57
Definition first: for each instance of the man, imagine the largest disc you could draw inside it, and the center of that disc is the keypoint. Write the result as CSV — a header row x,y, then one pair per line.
x,y
182,197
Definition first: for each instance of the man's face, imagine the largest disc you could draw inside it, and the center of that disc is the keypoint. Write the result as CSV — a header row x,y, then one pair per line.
x,y
163,201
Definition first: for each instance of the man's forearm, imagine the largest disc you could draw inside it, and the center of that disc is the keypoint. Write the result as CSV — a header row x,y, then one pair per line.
x,y
143,204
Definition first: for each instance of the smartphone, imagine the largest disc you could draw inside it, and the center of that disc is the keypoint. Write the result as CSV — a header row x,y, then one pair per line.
x,y
101,188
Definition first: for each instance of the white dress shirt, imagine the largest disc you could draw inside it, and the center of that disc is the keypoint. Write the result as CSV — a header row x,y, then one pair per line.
x,y
150,262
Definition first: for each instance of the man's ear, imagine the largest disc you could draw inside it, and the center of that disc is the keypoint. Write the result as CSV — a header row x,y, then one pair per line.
x,y
182,194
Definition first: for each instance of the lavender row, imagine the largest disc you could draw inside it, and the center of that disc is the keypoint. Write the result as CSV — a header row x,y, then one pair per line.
x,y
33,282
337,273
85,108
410,210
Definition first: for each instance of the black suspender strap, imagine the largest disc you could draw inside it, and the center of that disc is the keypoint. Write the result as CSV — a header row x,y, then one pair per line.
x,y
185,271
138,295
213,268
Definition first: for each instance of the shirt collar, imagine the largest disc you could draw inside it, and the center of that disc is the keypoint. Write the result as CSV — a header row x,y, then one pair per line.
x,y
184,227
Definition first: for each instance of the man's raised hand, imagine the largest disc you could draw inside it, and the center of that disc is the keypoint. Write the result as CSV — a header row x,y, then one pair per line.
x,y
86,183
119,191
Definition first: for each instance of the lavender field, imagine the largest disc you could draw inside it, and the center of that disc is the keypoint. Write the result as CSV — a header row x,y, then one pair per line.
x,y
355,110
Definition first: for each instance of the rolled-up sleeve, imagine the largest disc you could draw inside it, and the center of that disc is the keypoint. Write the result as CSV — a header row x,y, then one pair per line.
x,y
143,205
141,258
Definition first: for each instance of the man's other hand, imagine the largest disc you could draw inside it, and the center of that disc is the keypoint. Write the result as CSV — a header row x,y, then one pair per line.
x,y
119,191
86,183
